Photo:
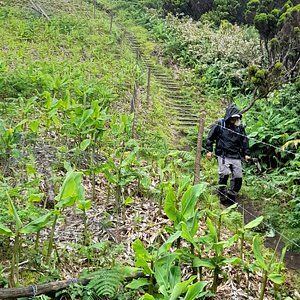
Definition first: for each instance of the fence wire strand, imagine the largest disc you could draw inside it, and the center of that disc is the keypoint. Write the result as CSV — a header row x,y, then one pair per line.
x,y
259,142
250,213
293,197
266,224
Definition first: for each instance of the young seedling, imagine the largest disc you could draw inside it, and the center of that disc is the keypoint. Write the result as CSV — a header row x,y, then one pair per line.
x,y
162,267
70,192
271,270
19,229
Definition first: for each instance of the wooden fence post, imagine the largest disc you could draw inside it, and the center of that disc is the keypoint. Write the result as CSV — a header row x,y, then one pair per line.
x,y
148,86
111,22
199,149
133,109
95,2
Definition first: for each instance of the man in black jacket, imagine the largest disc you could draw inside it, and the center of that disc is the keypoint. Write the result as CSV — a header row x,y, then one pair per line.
x,y
231,146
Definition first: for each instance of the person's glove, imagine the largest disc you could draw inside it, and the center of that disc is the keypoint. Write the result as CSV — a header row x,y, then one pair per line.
x,y
209,155
247,157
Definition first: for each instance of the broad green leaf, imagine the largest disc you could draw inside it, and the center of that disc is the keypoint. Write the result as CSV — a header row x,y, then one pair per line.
x,y
163,290
147,297
204,262
5,231
181,288
84,144
193,224
167,245
35,197
56,121
276,278
169,206
254,223
228,243
283,253
129,157
70,189
13,211
186,234
34,125
190,199
184,181
137,283
140,250
142,263
128,201
30,169
36,225
229,209
212,230
219,247
85,116
195,290
232,261
258,255
128,271
84,204
102,246
146,181
174,276
163,270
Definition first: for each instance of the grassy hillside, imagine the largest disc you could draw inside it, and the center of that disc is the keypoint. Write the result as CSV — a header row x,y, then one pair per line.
x,y
89,187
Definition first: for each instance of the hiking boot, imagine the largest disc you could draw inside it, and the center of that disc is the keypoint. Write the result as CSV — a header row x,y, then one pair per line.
x,y
231,196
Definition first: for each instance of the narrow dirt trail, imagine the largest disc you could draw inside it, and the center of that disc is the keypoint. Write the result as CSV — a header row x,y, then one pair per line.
x,y
185,115
250,212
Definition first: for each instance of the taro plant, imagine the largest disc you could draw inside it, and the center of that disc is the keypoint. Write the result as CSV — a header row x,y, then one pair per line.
x,y
213,244
242,231
33,227
271,268
87,127
162,267
71,192
9,137
120,169
185,215
185,211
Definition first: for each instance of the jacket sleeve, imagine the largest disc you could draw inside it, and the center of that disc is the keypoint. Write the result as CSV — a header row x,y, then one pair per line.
x,y
245,143
212,137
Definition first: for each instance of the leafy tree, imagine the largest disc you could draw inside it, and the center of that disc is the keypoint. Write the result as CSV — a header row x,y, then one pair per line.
x,y
280,34
228,9
200,7
175,6
287,46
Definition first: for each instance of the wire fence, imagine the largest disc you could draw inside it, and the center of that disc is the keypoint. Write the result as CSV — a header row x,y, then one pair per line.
x,y
274,186
259,142
263,222
262,180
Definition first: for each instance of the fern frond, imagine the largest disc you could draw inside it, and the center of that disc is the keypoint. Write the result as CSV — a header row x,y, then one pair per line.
x,y
91,296
106,282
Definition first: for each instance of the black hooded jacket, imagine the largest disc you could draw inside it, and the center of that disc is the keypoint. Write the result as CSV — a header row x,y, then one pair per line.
x,y
230,140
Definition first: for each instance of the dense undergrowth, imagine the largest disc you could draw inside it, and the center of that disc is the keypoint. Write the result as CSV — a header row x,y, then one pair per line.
x,y
219,61
71,150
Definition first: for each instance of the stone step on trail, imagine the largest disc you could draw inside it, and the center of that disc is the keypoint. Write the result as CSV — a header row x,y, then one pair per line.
x,y
188,107
179,102
180,109
183,113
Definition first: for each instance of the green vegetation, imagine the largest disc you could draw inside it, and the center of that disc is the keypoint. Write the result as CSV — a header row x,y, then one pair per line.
x,y
95,184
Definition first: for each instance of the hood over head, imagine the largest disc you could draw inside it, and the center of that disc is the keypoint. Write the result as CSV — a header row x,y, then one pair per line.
x,y
232,112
